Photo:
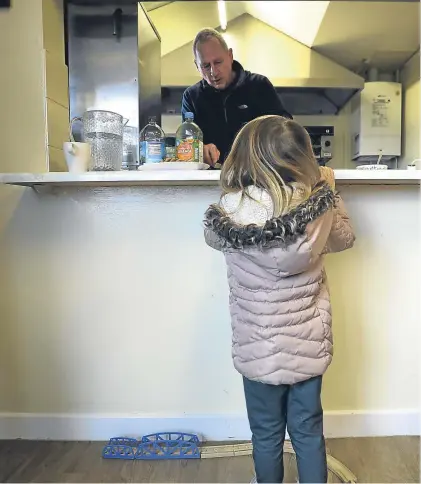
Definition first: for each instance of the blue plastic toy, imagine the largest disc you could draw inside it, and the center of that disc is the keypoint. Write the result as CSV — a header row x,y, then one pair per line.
x,y
118,452
123,441
166,445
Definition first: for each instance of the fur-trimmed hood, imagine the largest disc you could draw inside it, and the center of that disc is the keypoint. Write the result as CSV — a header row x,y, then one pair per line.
x,y
277,231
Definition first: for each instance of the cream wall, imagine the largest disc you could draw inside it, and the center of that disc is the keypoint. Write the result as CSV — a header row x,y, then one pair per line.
x,y
22,110
33,86
411,143
114,316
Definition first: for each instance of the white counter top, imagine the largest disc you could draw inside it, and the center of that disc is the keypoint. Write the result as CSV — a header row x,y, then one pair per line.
x,y
191,177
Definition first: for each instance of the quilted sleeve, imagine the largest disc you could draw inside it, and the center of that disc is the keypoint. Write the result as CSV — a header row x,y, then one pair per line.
x,y
341,235
213,240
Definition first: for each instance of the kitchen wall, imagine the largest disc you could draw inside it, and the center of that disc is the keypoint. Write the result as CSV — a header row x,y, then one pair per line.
x,y
22,106
33,85
411,129
114,316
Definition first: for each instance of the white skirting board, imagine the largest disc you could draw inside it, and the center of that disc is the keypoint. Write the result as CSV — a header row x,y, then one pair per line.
x,y
208,427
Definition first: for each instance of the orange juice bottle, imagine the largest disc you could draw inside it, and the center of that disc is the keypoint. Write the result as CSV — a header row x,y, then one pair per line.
x,y
189,141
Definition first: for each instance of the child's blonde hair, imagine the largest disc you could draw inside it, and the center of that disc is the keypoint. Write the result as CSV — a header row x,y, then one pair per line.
x,y
275,154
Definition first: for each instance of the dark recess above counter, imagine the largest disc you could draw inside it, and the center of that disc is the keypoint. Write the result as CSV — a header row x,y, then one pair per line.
x,y
299,101
314,101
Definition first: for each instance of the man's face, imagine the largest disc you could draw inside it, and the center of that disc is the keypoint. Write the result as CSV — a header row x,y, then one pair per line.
x,y
215,64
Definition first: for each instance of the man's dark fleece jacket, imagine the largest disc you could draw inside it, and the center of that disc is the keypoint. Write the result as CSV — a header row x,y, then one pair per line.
x,y
221,114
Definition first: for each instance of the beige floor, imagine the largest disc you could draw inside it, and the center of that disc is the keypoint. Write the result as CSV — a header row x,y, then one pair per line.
x,y
383,460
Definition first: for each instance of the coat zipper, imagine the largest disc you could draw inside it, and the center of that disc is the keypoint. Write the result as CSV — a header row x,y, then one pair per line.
x,y
225,108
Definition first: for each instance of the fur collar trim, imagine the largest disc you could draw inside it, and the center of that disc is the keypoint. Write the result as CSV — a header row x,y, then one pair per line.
x,y
282,231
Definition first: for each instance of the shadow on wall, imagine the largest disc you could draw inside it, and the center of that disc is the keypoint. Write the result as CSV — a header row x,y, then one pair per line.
x,y
34,242
100,303
375,309
347,298
10,201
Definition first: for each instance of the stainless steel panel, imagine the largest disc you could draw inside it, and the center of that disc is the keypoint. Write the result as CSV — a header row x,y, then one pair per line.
x,y
110,47
103,66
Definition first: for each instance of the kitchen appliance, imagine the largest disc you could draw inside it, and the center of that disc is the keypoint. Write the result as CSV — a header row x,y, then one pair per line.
x,y
376,122
322,142
103,130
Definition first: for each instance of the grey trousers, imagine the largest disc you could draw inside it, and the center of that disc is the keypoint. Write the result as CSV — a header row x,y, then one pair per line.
x,y
273,409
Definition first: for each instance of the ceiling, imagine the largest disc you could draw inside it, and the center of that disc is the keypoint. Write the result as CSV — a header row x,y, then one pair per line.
x,y
385,34
298,19
149,6
179,21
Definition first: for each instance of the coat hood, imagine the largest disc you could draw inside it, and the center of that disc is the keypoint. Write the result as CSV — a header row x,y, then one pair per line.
x,y
280,231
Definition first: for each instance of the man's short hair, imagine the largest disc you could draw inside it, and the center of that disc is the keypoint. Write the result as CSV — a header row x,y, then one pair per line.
x,y
207,34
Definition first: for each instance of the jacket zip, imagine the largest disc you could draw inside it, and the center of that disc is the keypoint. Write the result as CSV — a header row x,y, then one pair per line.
x,y
225,108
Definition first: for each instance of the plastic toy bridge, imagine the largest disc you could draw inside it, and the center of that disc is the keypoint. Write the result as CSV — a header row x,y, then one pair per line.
x,y
174,445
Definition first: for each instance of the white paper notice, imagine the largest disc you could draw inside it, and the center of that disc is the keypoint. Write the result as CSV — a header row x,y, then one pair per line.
x,y
380,112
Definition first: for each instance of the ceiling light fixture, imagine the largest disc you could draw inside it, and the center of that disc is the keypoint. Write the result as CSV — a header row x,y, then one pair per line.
x,y
222,15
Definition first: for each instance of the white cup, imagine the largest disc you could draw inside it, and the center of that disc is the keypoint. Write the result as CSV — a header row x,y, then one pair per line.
x,y
78,156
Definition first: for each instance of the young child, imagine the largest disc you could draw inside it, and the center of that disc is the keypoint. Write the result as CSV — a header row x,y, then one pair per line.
x,y
276,220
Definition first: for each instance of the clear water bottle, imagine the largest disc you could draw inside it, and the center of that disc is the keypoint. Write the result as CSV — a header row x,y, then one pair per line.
x,y
152,143
189,141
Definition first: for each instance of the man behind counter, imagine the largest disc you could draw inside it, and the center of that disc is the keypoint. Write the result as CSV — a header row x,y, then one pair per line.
x,y
227,97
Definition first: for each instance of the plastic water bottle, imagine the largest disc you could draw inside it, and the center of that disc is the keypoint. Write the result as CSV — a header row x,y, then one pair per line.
x,y
152,143
189,141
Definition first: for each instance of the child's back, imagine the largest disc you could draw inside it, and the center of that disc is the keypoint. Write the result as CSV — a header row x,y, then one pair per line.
x,y
277,219
279,300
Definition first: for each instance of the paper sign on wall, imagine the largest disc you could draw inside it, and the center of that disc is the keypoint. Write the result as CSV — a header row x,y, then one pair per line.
x,y
380,112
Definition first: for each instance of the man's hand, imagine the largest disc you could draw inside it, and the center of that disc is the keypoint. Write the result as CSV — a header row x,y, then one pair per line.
x,y
328,175
211,154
